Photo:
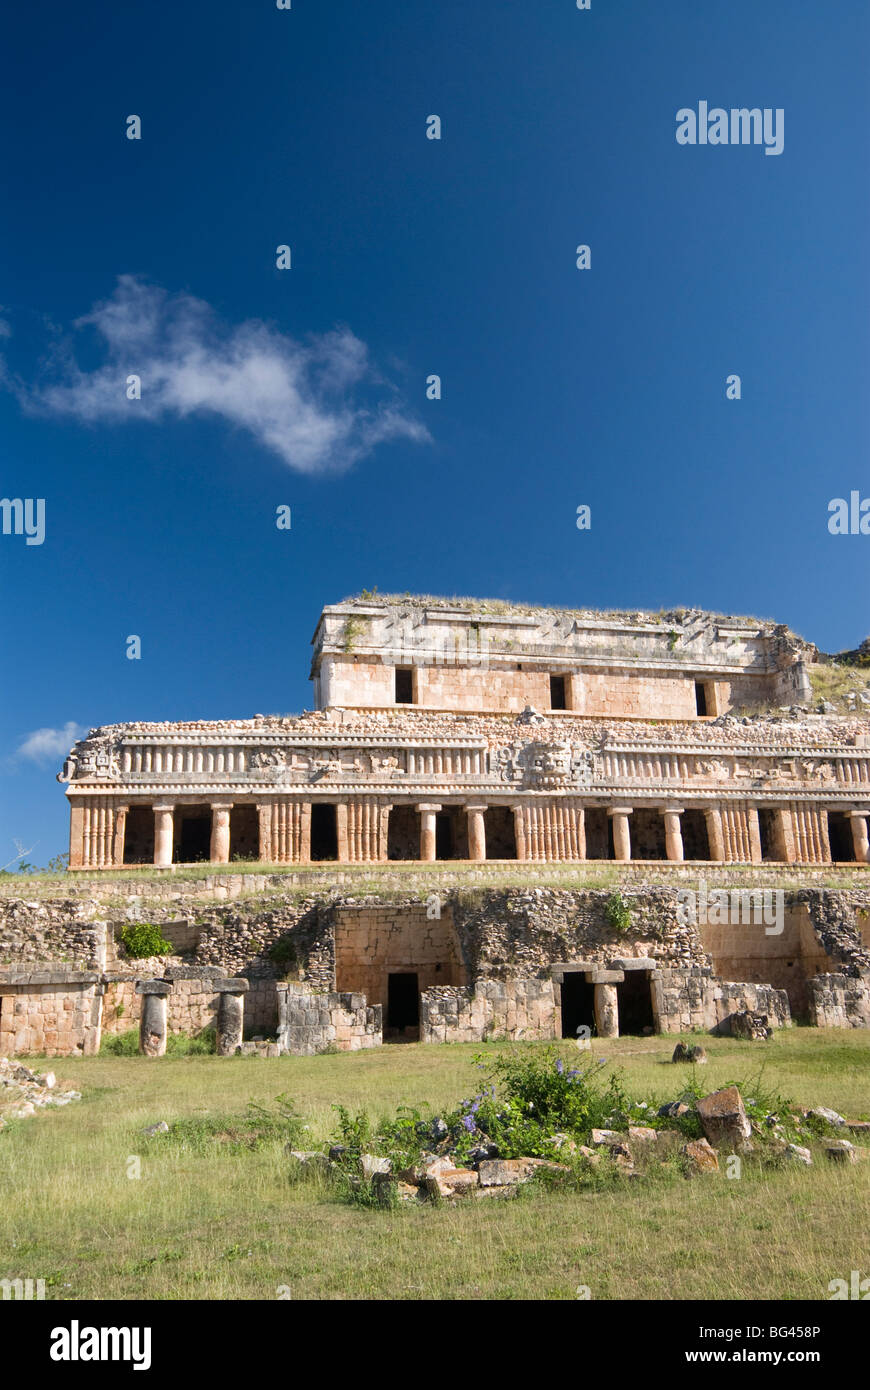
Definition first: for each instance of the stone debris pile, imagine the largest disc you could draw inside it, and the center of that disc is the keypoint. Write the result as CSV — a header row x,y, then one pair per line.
x,y
727,1131
23,1092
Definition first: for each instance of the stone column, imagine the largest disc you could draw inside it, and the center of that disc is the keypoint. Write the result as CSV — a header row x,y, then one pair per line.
x,y
713,817
230,1014
152,1025
621,832
427,832
76,834
476,832
341,832
520,830
163,829
673,832
120,833
305,833
754,830
859,836
264,821
220,832
606,1008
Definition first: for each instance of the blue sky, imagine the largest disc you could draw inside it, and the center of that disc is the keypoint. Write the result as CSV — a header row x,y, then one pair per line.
x,y
306,387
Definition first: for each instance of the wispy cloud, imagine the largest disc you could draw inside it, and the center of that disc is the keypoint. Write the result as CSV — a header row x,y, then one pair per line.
x,y
46,745
318,403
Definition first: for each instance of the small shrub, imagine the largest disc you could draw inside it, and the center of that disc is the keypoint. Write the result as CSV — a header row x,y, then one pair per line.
x,y
618,913
120,1044
141,939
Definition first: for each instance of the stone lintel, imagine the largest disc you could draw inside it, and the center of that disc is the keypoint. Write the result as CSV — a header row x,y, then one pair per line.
x,y
153,986
605,977
632,963
62,976
232,985
562,968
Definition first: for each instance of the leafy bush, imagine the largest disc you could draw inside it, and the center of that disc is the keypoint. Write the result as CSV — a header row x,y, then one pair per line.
x,y
529,1096
618,913
141,939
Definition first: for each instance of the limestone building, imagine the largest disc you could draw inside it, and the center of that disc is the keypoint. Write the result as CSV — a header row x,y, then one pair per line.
x,y
477,730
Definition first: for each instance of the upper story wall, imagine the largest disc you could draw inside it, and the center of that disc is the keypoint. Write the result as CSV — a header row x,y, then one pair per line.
x,y
469,658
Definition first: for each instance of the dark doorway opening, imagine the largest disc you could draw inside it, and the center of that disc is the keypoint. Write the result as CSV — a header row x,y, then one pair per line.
x,y
767,834
244,833
501,840
557,692
403,833
139,835
578,1004
840,838
700,698
404,685
696,843
403,1003
192,841
634,1002
324,832
599,833
648,834
444,836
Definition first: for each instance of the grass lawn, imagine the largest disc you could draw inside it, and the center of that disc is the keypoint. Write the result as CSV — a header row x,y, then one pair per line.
x,y
215,1222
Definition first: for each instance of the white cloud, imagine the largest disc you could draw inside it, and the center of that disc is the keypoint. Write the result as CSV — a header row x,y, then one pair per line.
x,y
44,745
318,403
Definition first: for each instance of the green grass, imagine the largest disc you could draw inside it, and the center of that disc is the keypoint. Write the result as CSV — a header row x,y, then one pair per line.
x,y
832,681
213,1216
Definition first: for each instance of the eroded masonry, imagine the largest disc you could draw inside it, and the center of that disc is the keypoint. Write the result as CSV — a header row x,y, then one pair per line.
x,y
684,749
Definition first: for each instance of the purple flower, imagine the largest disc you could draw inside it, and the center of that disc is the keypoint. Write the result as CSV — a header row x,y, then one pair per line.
x,y
468,1123
560,1065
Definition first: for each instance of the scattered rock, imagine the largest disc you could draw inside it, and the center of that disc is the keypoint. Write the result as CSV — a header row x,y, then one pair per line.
x,y
160,1128
452,1182
23,1092
751,1026
673,1109
507,1172
310,1159
642,1134
830,1117
724,1119
841,1151
799,1154
604,1136
700,1156
371,1164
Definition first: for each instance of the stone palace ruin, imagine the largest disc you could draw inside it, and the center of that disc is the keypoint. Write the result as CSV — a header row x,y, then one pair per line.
x,y
466,746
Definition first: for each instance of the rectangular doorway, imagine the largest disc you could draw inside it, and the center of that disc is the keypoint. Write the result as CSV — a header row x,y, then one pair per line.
x,y
324,831
840,838
403,1005
634,1002
192,840
578,999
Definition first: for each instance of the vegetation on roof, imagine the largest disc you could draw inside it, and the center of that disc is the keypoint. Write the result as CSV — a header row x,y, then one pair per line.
x,y
500,607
